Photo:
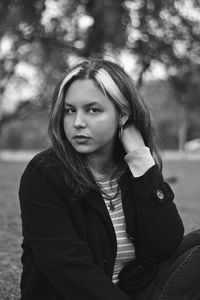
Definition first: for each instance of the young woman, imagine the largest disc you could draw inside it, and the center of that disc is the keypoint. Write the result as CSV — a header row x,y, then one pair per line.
x,y
99,222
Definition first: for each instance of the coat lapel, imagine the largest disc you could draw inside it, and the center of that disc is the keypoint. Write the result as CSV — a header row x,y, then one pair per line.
x,y
95,200
127,191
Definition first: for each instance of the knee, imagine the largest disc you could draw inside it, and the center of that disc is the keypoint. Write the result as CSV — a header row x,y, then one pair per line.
x,y
191,239
194,235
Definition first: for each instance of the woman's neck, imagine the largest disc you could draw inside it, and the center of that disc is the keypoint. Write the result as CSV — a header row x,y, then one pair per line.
x,y
101,166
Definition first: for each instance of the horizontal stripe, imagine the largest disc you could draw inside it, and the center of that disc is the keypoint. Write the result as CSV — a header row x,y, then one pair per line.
x,y
125,258
117,211
117,215
125,245
120,235
110,194
116,206
122,238
123,226
104,181
118,223
107,181
118,218
114,195
115,199
124,251
121,232
107,187
115,278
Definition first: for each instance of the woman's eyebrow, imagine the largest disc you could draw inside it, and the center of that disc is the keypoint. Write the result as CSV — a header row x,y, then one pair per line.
x,y
68,104
86,105
92,103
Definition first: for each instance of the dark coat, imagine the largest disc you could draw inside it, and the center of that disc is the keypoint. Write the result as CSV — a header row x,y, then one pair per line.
x,y
69,245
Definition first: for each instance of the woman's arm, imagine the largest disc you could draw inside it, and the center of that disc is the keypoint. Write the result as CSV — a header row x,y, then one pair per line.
x,y
63,258
159,226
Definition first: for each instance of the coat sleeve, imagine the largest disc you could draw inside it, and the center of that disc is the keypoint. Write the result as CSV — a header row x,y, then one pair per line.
x,y
63,258
159,228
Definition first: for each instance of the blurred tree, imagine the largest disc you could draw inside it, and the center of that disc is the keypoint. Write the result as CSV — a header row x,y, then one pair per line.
x,y
169,32
175,107
186,86
109,29
46,34
165,31
160,98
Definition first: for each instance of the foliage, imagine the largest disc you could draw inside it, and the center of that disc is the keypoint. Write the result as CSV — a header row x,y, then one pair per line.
x,y
165,31
28,131
49,34
175,108
45,33
187,87
187,94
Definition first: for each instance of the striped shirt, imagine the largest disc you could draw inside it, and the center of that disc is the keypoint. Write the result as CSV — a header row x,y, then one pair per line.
x,y
125,248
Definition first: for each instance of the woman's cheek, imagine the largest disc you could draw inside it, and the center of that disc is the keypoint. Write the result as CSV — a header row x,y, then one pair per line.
x,y
105,126
101,124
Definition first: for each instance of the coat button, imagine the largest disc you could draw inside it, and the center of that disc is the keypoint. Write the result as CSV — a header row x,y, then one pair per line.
x,y
160,195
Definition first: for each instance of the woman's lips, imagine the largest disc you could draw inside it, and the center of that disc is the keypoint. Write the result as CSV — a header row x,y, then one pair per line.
x,y
81,138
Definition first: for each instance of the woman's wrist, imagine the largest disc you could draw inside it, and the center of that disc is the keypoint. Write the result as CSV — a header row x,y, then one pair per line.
x,y
139,161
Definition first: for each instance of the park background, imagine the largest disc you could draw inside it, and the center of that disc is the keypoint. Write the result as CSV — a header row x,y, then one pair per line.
x,y
157,42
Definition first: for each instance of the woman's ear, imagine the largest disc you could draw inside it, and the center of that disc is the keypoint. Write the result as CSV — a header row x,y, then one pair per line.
x,y
123,119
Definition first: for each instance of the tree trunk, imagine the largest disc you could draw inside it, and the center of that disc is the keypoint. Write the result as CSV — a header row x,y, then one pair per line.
x,y
1,104
182,129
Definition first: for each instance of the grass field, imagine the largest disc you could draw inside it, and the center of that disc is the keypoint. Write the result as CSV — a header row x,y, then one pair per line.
x,y
187,190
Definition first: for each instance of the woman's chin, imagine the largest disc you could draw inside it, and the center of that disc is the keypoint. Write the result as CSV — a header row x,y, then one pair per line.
x,y
83,149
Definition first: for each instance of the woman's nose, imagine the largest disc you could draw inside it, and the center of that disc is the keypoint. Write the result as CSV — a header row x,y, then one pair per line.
x,y
79,120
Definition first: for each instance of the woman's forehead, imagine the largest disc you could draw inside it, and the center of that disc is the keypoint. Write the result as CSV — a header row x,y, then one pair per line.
x,y
84,91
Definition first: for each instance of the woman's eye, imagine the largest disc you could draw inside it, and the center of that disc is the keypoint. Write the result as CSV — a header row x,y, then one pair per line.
x,y
94,110
69,110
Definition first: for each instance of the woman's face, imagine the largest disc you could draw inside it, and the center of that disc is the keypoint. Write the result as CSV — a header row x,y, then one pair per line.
x,y
90,119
